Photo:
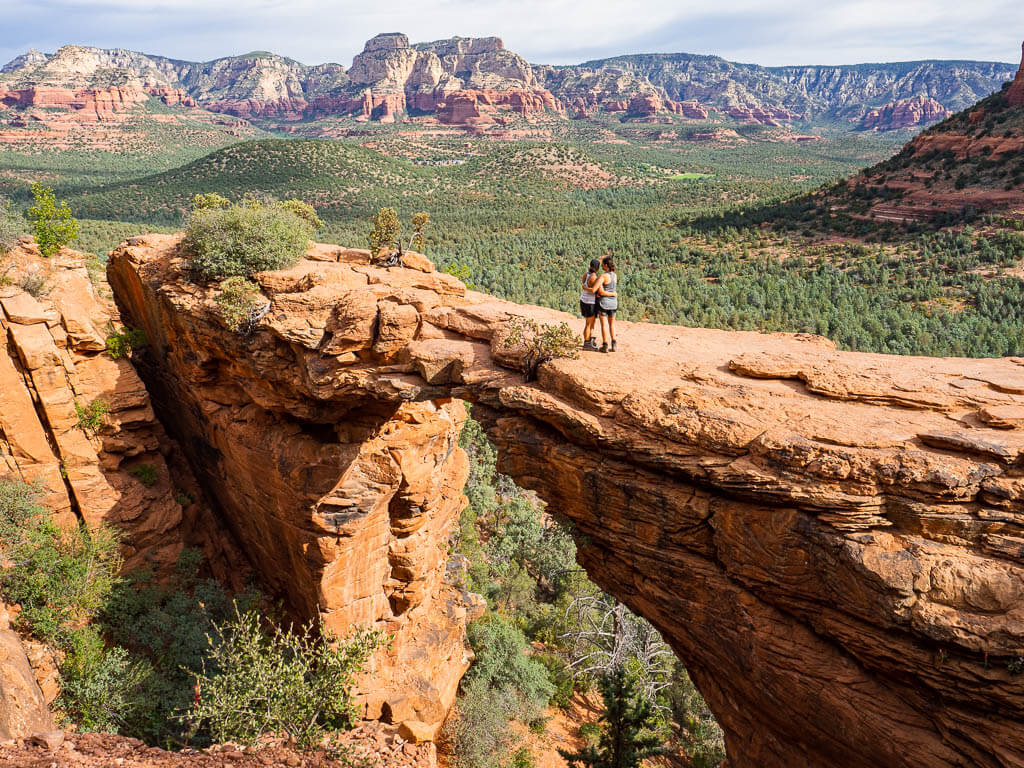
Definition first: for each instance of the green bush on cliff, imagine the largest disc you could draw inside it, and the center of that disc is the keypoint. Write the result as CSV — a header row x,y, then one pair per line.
x,y
298,683
60,578
52,221
247,238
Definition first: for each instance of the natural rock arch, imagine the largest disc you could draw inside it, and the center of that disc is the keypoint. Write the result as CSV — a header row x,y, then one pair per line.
x,y
830,541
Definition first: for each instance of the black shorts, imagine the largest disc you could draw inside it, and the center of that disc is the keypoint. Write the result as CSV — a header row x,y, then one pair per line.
x,y
588,310
602,312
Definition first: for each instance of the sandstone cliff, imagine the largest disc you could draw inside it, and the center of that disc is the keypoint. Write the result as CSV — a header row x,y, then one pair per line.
x,y
54,367
1016,93
965,165
905,113
830,541
391,78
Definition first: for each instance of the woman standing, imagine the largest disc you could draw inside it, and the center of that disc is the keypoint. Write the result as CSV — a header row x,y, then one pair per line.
x,y
588,304
607,301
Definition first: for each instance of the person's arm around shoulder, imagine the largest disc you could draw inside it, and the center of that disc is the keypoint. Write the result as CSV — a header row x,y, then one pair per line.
x,y
599,286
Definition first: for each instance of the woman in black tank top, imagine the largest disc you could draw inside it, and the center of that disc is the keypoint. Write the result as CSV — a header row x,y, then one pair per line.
x,y
588,304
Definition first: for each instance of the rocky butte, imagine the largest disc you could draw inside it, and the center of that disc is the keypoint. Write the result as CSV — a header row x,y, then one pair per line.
x,y
830,541
1016,93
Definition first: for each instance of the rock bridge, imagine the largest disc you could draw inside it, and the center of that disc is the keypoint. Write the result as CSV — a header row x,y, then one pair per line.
x,y
832,542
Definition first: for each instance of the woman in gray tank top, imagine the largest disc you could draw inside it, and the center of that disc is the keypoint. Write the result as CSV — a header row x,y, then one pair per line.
x,y
607,302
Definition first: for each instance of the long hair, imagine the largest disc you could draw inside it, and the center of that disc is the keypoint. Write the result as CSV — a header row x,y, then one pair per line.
x,y
595,266
608,263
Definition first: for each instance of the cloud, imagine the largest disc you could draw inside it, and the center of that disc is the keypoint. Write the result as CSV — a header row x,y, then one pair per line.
x,y
545,31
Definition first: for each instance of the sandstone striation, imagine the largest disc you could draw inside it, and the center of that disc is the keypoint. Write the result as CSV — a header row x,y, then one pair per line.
x,y
53,368
830,541
416,80
1016,93
906,113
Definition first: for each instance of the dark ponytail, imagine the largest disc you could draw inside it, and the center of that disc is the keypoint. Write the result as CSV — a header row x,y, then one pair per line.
x,y
608,263
595,266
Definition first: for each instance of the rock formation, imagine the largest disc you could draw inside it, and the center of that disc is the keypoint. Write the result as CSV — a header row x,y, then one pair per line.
x,y
349,519
906,113
830,541
1016,93
964,165
54,367
422,78
23,709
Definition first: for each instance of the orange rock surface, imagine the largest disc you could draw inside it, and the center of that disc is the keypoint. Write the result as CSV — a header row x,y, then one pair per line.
x,y
830,541
1016,93
53,364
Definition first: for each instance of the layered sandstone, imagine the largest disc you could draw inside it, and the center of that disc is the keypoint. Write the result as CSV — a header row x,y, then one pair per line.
x,y
344,512
1016,93
830,541
906,113
53,367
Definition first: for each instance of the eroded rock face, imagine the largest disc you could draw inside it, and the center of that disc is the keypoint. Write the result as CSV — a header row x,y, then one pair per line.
x,y
23,707
906,113
344,509
830,541
53,368
1016,93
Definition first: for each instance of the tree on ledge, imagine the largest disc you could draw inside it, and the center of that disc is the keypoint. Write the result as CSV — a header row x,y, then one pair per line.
x,y
52,221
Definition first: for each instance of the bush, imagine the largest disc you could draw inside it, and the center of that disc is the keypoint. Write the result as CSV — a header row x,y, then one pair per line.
x,y
60,578
208,201
238,302
293,683
145,474
541,343
245,239
122,344
304,211
33,283
100,688
168,623
91,416
52,221
386,230
481,732
503,664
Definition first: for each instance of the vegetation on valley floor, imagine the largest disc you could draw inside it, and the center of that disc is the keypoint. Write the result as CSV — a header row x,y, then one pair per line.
x,y
551,635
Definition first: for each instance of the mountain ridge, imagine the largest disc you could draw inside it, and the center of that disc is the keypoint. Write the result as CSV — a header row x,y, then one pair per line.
x,y
473,81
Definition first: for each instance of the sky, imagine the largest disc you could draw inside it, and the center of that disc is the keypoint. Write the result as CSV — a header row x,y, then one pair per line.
x,y
769,32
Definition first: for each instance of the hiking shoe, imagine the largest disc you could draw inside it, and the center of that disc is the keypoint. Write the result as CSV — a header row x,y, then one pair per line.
x,y
612,349
589,345
604,347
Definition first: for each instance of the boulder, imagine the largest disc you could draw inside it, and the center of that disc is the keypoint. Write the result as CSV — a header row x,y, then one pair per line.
x,y
23,710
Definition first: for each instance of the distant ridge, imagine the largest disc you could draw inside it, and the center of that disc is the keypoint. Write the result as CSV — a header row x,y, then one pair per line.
x,y
475,81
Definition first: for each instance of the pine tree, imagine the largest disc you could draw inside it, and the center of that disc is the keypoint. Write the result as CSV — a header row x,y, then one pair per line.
x,y
627,731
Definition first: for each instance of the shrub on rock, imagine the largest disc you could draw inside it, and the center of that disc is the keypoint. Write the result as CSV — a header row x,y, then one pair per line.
x,y
243,239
